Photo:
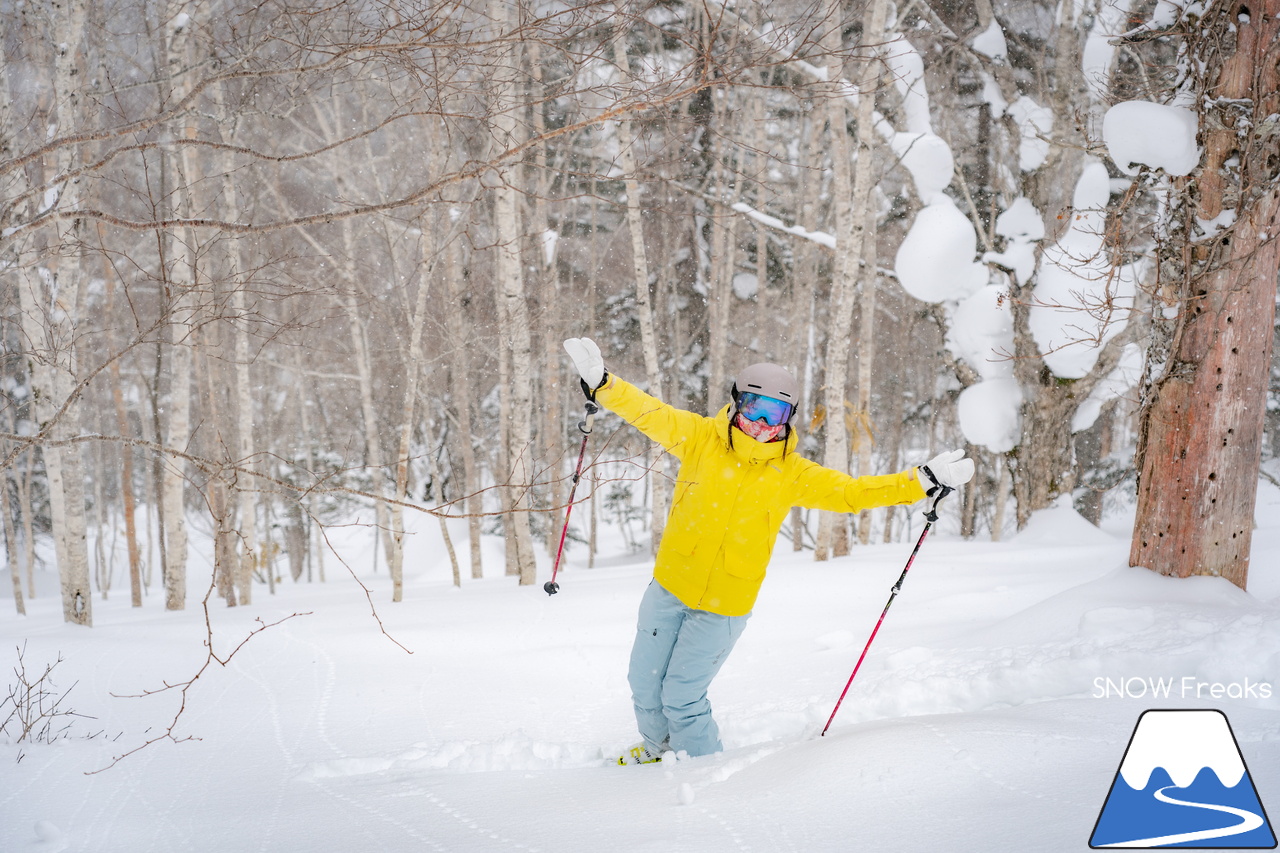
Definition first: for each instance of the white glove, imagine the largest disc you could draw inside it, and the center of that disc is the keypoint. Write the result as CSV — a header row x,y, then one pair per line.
x,y
587,359
949,469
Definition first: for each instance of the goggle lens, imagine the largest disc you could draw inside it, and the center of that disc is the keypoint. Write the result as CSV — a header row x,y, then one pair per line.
x,y
755,407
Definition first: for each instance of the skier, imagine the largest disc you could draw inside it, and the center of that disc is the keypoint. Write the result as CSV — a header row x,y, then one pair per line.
x,y
739,478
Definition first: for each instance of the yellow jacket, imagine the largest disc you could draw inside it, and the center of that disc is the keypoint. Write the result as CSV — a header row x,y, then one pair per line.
x,y
731,500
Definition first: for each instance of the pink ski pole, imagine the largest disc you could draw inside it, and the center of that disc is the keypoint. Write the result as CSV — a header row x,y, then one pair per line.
x,y
930,517
584,426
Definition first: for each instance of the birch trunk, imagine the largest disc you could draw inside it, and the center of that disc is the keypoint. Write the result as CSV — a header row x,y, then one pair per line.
x,y
413,369
181,301
855,259
459,333
515,313
11,546
640,271
246,510
368,410
178,424
833,531
126,472
50,302
224,551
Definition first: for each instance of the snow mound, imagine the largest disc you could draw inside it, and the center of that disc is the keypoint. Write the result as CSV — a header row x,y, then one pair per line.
x,y
1060,524
512,752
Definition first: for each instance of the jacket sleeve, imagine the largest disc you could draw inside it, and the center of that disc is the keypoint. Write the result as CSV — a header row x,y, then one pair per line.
x,y
817,487
675,429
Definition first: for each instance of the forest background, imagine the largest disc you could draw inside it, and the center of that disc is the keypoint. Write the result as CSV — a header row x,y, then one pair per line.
x,y
270,267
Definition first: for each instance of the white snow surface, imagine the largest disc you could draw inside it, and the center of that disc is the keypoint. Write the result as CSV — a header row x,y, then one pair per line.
x,y
975,724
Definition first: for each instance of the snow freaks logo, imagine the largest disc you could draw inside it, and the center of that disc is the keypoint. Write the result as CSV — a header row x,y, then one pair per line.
x,y
1186,687
1183,782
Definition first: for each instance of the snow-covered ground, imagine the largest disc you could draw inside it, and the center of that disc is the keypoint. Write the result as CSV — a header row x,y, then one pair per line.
x,y
978,723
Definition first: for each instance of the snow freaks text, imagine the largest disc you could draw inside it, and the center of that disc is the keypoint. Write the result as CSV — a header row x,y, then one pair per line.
x,y
1187,687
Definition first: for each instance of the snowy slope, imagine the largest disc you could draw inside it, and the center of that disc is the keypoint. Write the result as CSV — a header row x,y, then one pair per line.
x,y
975,724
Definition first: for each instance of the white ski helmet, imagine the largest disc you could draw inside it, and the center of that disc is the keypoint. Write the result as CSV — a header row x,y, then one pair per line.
x,y
767,380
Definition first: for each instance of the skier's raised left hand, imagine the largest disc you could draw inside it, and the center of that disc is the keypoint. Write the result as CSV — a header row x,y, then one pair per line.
x,y
950,469
589,363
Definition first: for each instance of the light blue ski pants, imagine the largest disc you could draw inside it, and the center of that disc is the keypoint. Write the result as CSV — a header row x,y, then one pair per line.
x,y
678,650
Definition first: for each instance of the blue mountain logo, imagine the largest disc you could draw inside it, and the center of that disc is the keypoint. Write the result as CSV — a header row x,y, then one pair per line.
x,y
1183,783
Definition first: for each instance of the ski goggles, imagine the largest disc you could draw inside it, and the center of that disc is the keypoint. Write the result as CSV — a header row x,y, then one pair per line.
x,y
756,407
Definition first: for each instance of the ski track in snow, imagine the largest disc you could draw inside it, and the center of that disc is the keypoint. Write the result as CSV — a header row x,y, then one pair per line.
x,y
381,814
473,825
272,820
960,753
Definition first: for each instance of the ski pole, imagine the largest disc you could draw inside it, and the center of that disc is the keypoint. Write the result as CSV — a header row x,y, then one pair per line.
x,y
584,426
930,517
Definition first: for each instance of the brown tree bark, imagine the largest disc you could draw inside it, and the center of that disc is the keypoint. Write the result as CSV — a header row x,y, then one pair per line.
x,y
1201,433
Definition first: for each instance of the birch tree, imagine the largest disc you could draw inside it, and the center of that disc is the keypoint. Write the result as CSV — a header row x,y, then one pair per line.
x,y
640,269
49,296
514,313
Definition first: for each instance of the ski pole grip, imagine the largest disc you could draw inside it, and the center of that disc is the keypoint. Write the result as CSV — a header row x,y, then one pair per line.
x,y
584,425
931,515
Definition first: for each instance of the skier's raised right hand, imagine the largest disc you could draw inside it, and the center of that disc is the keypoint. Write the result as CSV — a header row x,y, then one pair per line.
x,y
589,363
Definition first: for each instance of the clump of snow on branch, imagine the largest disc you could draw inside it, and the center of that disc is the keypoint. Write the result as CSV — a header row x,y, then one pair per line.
x,y
935,262
1034,124
1022,227
1081,299
981,333
990,42
1149,134
1123,377
745,285
989,413
822,238
1099,51
550,242
929,160
906,67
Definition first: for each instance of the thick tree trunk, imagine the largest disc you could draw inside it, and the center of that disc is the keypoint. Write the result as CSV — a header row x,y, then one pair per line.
x,y
1201,435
